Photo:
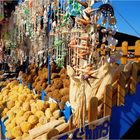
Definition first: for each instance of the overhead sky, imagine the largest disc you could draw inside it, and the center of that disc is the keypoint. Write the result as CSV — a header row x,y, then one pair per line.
x,y
130,10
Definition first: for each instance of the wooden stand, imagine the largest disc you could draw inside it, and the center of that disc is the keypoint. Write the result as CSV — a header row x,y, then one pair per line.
x,y
126,49
133,78
134,50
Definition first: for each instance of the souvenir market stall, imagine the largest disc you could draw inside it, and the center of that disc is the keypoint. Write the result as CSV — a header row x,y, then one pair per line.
x,y
69,76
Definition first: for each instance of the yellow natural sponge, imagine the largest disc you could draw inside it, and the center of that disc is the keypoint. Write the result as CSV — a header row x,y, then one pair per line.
x,y
25,135
10,126
34,108
36,96
26,106
27,115
19,120
32,101
11,115
48,113
41,105
53,106
18,103
13,97
39,113
10,104
18,138
5,91
43,120
22,97
20,113
1,97
25,127
33,119
16,132
16,109
5,97
56,114
4,112
39,124
15,89
26,90
21,87
29,97
9,134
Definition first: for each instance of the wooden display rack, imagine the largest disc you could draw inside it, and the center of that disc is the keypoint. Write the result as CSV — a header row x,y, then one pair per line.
x,y
129,52
126,50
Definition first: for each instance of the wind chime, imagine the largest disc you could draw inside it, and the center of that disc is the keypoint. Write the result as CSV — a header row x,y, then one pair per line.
x,y
84,46
58,49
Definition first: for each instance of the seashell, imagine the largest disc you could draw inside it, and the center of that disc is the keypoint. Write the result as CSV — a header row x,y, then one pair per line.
x,y
82,3
104,39
98,26
83,38
112,20
104,21
73,42
83,21
73,46
85,16
104,31
89,10
82,47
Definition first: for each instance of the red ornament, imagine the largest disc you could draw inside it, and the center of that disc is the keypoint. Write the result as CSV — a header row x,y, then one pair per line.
x,y
30,4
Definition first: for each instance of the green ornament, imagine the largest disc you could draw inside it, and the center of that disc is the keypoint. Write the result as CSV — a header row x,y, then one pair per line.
x,y
26,11
60,62
70,2
1,17
57,43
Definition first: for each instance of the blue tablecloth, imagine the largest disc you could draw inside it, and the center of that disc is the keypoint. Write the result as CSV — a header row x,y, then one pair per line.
x,y
124,117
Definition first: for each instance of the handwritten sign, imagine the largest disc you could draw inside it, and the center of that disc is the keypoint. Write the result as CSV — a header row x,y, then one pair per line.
x,y
96,130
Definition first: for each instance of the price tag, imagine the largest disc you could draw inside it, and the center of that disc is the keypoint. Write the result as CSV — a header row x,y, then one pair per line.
x,y
43,95
52,100
34,91
68,104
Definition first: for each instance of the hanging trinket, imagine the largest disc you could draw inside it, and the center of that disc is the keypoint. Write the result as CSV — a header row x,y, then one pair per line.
x,y
104,21
92,2
104,32
112,41
112,20
30,3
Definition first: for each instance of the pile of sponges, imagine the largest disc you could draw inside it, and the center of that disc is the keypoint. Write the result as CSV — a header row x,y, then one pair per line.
x,y
59,88
25,110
